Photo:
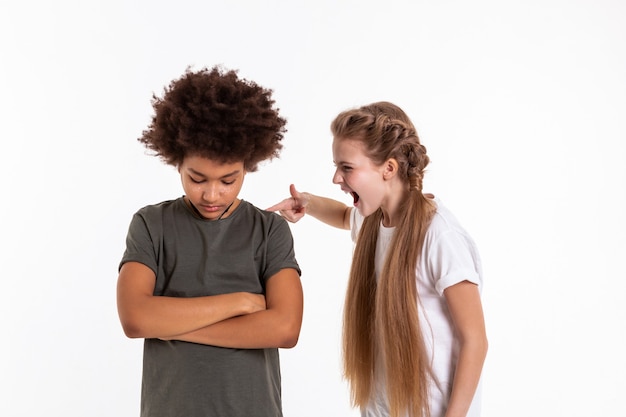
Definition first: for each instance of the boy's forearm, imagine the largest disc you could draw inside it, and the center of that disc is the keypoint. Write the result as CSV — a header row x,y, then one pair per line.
x,y
264,329
276,327
163,316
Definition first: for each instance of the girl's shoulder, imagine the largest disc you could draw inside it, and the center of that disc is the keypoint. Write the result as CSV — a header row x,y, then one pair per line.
x,y
444,221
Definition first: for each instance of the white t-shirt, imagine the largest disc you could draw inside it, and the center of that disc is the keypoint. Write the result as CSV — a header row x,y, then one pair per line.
x,y
449,256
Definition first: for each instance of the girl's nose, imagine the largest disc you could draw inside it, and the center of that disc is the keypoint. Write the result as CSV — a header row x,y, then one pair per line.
x,y
337,178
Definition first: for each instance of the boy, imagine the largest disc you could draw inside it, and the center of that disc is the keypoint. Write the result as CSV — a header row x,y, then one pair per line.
x,y
209,280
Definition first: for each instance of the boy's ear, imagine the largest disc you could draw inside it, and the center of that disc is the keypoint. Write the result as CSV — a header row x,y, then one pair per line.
x,y
390,168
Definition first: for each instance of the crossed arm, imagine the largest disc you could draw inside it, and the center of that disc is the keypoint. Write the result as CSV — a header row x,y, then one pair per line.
x,y
237,320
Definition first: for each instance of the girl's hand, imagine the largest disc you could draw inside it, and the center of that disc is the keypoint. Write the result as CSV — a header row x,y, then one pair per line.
x,y
294,208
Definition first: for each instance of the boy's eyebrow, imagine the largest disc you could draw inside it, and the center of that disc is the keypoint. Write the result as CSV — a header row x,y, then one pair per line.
x,y
235,172
230,174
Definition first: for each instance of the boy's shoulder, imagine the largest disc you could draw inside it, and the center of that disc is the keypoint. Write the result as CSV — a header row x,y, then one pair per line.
x,y
159,207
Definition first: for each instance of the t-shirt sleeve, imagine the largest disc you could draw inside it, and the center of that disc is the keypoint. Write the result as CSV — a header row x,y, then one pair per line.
x,y
280,248
356,221
453,258
139,244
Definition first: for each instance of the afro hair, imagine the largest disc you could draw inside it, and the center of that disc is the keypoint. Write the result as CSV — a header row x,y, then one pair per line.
x,y
215,114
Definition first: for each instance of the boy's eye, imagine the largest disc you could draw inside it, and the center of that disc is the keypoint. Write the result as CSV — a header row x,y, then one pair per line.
x,y
195,180
229,182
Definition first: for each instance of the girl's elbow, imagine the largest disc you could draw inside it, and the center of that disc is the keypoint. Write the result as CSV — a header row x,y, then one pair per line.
x,y
481,346
478,345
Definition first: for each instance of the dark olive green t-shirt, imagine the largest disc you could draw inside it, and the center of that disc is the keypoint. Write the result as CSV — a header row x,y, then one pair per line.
x,y
195,257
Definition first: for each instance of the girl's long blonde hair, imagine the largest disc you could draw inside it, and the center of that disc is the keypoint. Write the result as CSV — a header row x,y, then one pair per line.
x,y
381,317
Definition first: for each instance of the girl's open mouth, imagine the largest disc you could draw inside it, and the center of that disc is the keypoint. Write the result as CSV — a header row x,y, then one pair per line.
x,y
355,197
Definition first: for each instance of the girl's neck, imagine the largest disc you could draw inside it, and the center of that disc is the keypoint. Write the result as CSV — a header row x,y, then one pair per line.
x,y
391,207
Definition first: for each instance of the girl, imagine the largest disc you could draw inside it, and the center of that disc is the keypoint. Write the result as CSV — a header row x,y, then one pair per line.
x,y
414,338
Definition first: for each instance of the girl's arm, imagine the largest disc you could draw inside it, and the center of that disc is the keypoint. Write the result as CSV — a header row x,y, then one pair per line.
x,y
147,316
466,309
277,326
329,211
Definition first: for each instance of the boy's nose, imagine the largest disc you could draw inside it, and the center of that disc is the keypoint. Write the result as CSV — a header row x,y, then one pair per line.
x,y
210,193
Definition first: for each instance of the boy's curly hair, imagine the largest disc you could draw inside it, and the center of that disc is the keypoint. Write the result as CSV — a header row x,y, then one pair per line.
x,y
214,114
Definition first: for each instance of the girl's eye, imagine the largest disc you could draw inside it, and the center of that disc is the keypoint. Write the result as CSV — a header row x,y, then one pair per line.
x,y
231,182
195,180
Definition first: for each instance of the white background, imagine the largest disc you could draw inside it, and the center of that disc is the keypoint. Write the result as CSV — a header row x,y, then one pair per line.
x,y
521,105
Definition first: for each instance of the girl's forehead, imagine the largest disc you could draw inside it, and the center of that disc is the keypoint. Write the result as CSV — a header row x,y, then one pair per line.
x,y
350,151
352,147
